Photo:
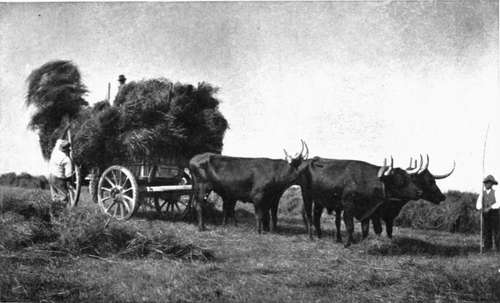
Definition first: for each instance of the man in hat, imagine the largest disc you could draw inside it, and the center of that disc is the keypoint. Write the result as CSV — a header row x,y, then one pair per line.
x,y
121,80
60,171
491,213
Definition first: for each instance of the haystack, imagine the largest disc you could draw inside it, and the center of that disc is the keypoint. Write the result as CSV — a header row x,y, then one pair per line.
x,y
149,119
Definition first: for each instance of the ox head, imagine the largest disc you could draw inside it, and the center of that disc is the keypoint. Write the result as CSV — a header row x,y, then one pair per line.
x,y
398,182
299,162
426,181
299,158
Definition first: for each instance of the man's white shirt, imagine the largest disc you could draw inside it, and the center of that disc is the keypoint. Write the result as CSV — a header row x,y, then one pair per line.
x,y
479,202
60,164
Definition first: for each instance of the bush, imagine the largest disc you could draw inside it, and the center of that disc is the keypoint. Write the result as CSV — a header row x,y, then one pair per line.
x,y
24,180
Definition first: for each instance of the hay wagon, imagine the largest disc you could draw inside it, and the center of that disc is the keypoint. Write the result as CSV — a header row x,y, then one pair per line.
x,y
121,189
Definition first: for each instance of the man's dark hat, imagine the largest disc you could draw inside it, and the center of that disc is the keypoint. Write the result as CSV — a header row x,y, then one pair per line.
x,y
121,78
490,179
64,145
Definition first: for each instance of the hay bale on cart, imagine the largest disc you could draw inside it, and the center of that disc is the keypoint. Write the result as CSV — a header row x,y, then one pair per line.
x,y
150,132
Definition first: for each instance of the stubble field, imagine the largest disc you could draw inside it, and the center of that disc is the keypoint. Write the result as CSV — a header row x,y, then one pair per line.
x,y
51,255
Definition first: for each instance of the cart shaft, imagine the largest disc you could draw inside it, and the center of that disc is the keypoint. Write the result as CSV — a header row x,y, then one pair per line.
x,y
166,188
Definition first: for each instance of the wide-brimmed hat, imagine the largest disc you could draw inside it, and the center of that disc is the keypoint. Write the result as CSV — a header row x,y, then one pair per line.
x,y
490,179
64,144
121,78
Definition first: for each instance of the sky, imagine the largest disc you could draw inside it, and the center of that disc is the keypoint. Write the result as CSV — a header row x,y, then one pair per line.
x,y
359,80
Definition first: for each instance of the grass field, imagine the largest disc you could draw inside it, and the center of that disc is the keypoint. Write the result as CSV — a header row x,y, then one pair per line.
x,y
49,256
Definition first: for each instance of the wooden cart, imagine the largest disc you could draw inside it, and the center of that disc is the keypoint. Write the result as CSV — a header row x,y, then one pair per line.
x,y
167,188
121,189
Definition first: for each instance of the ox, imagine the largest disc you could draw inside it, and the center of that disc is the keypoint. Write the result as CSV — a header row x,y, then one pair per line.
x,y
260,181
356,187
425,180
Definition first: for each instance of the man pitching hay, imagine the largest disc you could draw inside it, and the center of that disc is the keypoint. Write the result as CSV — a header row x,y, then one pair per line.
x,y
491,214
121,80
60,171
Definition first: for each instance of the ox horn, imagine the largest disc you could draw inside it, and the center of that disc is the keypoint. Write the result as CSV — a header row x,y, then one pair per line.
x,y
437,177
301,149
426,166
412,169
415,169
390,167
411,163
287,156
307,149
382,169
421,162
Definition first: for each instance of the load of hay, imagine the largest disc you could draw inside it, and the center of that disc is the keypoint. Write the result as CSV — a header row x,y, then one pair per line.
x,y
149,119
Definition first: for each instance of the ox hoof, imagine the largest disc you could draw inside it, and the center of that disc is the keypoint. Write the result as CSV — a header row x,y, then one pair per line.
x,y
347,245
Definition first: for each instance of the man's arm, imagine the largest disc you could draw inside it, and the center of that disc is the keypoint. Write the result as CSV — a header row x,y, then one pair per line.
x,y
68,168
495,205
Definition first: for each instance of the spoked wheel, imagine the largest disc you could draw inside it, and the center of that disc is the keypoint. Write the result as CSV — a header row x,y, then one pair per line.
x,y
174,205
74,187
117,192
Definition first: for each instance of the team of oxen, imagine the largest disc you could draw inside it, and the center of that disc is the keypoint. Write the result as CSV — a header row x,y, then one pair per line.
x,y
353,188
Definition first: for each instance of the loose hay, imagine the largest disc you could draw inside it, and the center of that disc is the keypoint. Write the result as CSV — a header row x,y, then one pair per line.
x,y
28,218
149,119
456,214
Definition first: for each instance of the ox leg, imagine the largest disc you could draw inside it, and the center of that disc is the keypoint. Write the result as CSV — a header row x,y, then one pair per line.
x,y
318,210
377,225
274,218
338,223
233,213
225,205
200,192
307,211
228,211
388,227
365,227
266,218
259,217
259,213
349,222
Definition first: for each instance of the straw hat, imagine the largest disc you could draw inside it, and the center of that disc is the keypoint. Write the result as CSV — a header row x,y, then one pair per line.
x,y
490,179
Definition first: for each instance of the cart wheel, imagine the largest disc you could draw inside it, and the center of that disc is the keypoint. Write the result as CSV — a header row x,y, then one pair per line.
x,y
74,187
117,192
174,205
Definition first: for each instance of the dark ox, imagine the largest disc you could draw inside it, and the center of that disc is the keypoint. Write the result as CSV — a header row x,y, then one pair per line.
x,y
425,180
260,181
356,187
